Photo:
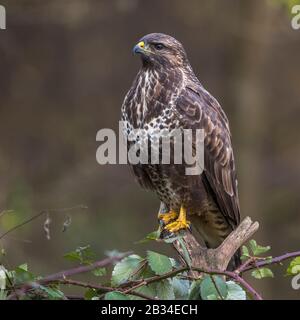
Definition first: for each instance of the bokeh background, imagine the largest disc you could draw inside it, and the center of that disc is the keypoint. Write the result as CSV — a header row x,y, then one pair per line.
x,y
65,66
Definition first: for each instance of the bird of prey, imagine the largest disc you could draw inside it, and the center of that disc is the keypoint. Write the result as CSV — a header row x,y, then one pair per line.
x,y
166,94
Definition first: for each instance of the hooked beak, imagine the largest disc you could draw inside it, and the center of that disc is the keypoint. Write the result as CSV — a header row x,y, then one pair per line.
x,y
139,48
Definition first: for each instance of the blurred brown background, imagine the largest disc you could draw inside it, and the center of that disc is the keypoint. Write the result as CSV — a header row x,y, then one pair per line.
x,y
65,66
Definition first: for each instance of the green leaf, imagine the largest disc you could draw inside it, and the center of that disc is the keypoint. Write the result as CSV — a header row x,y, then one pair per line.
x,y
268,259
257,249
90,294
262,273
159,263
99,272
235,292
146,272
3,294
150,237
195,290
124,269
53,293
253,245
175,263
245,253
185,252
260,250
149,290
294,267
165,290
181,288
82,254
115,295
3,275
23,267
213,288
21,274
212,297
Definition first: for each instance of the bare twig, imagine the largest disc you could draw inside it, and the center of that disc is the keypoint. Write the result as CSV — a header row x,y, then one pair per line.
x,y
220,257
244,265
202,261
85,268
74,297
62,275
130,286
34,285
275,260
22,224
38,215
79,284
171,274
2,213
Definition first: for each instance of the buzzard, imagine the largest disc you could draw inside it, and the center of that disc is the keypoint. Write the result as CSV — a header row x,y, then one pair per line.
x,y
166,94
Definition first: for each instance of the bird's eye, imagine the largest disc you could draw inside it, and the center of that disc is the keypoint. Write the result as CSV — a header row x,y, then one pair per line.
x,y
159,46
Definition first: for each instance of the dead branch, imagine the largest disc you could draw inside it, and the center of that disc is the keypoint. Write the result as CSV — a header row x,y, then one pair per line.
x,y
219,258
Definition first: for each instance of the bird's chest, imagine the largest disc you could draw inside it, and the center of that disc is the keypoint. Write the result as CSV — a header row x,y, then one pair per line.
x,y
149,102
148,115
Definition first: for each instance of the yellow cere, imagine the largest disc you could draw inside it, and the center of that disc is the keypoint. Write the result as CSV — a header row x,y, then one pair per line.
x,y
141,44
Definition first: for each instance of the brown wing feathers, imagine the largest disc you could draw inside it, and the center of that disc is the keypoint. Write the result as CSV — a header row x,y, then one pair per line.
x,y
202,111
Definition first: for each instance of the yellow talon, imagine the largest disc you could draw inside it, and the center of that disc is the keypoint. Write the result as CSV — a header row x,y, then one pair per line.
x,y
167,217
180,223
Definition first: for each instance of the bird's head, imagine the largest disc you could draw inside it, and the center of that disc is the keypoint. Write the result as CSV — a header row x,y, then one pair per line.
x,y
160,50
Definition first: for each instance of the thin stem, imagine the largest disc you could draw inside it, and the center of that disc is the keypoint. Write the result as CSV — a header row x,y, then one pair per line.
x,y
275,260
2,213
85,268
255,295
244,265
62,275
37,216
22,224
79,284
216,286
